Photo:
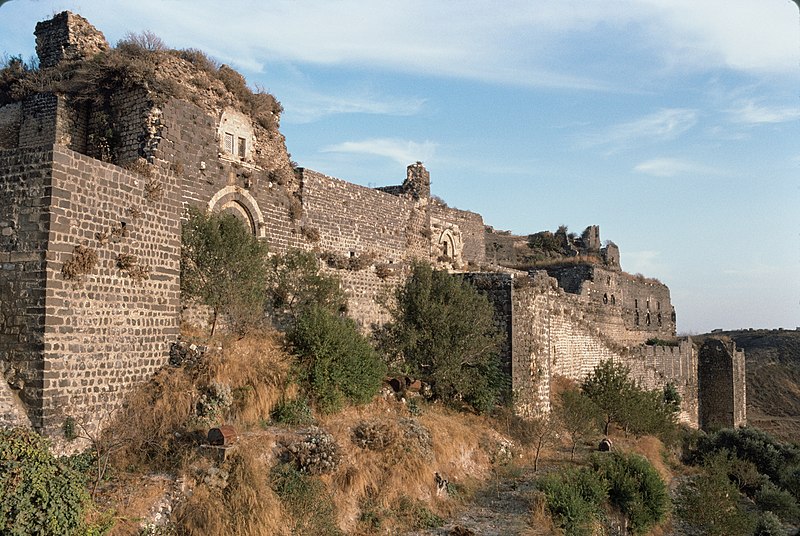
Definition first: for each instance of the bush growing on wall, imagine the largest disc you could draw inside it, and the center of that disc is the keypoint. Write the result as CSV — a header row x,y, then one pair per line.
x,y
444,332
224,267
337,364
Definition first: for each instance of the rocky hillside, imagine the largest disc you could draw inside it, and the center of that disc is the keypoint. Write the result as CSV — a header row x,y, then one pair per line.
x,y
773,379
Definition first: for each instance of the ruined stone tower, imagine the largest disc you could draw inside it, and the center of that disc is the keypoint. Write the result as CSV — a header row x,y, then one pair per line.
x,y
722,383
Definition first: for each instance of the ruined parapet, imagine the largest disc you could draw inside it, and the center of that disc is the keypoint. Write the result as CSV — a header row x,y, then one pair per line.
x,y
418,181
721,385
590,238
67,37
610,255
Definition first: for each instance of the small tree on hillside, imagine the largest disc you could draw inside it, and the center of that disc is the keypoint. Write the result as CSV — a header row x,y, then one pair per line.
x,y
610,388
296,284
444,332
577,415
224,267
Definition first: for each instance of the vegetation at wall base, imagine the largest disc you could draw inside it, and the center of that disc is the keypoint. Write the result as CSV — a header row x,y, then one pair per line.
x,y
336,363
621,402
579,498
38,494
443,332
296,284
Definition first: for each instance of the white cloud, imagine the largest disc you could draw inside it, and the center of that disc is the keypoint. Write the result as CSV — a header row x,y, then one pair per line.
x,y
402,151
663,125
752,113
306,107
669,167
516,42
744,35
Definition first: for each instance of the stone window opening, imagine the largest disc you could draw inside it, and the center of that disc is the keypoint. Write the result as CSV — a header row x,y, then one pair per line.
x,y
647,319
658,319
613,300
242,148
352,254
658,305
605,298
228,143
648,305
636,318
636,304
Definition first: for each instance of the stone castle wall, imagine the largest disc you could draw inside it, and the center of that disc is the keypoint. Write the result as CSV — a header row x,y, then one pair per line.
x,y
74,347
472,232
722,372
555,333
113,328
25,197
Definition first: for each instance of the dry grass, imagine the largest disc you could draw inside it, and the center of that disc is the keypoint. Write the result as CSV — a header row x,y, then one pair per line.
x,y
540,522
257,370
147,424
155,425
247,506
400,472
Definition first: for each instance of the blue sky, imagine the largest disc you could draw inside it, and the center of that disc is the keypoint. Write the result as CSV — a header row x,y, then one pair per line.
x,y
672,124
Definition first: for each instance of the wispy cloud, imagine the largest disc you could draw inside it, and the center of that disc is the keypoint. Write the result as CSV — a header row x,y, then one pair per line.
x,y
402,151
307,107
670,167
663,125
643,262
752,113
521,42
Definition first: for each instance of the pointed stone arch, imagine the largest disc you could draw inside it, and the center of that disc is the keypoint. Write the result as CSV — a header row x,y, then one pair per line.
x,y
447,241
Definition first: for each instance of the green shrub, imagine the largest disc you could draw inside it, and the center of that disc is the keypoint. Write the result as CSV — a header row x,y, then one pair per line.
x,y
306,500
416,514
38,496
293,412
620,401
777,460
443,331
544,241
634,487
771,498
575,499
337,364
769,525
710,503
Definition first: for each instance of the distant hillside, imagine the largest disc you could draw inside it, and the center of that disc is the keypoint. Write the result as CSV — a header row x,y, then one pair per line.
x,y
773,379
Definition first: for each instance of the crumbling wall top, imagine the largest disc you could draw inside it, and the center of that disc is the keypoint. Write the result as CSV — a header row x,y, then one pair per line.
x,y
67,37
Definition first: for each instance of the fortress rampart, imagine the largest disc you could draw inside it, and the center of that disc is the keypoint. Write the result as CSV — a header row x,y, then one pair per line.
x,y
93,188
